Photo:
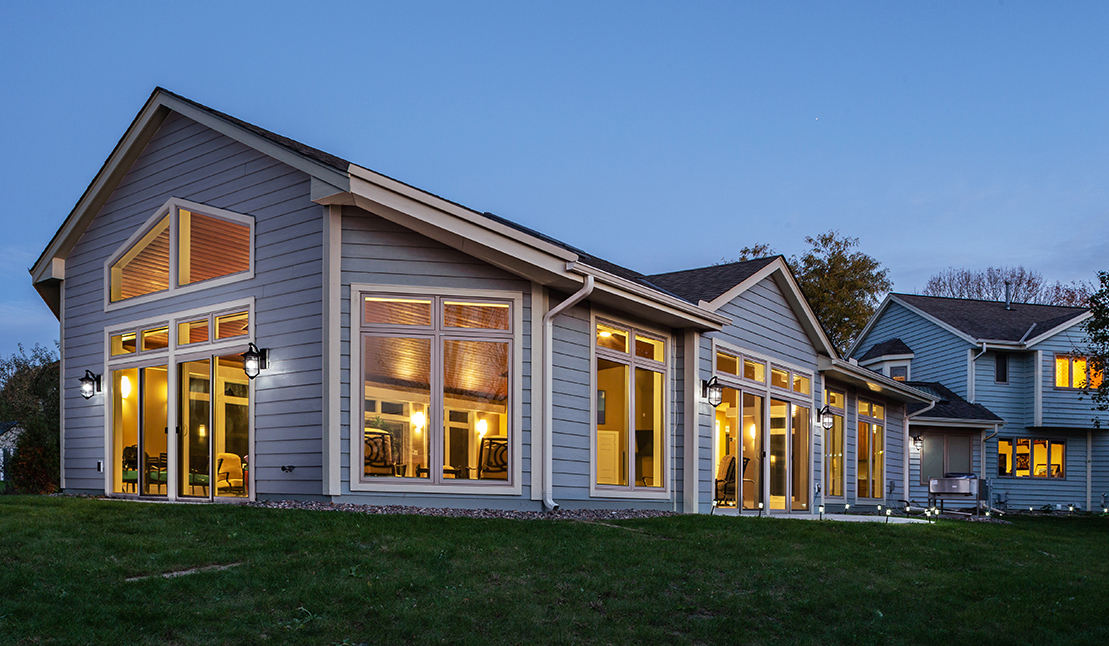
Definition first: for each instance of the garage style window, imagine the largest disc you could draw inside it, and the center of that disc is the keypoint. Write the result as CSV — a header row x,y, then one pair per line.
x,y
436,383
1031,458
943,453
630,436
182,245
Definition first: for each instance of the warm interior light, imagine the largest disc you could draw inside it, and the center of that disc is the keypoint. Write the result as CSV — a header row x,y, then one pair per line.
x,y
604,334
201,431
751,431
482,427
418,420
125,387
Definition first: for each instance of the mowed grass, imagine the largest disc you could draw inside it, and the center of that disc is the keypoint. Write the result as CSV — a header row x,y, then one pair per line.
x,y
305,577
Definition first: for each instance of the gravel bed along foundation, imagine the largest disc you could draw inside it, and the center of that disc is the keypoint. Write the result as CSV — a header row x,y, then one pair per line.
x,y
560,514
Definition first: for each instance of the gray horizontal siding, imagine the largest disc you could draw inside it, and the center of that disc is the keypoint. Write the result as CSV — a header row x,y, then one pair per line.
x,y
190,161
376,251
764,322
1063,406
571,403
1036,492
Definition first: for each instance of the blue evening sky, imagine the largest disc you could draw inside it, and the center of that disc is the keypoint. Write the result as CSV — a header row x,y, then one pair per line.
x,y
658,135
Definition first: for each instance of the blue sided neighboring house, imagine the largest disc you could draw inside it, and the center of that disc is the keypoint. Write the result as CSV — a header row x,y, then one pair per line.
x,y
1013,408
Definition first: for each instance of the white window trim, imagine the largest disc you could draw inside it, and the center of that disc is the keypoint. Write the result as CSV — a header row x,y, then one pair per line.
x,y
170,357
354,450
885,443
171,209
1070,357
631,492
823,459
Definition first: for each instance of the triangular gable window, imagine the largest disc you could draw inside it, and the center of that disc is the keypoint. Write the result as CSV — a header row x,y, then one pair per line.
x,y
201,246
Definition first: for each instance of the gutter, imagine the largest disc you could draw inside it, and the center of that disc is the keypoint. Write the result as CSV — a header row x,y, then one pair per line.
x,y
548,388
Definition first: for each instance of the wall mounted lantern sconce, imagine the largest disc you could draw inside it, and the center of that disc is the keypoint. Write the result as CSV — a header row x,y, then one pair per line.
x,y
712,391
254,360
90,384
918,442
827,420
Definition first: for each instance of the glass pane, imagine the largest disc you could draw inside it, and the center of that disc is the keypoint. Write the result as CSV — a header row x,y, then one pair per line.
x,y
877,411
779,425
612,423
648,428
1062,372
960,454
232,325
487,316
123,344
833,459
210,247
611,338
863,471
155,339
725,447
192,332
231,421
802,385
1039,458
649,348
144,268
154,433
931,458
754,370
835,399
799,459
864,408
1079,372
1023,459
125,429
779,378
397,311
475,384
195,428
1095,376
752,451
899,373
397,373
878,459
1058,460
1004,457
727,363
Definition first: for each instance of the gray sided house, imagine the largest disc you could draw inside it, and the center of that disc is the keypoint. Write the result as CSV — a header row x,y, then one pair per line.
x,y
243,317
1012,405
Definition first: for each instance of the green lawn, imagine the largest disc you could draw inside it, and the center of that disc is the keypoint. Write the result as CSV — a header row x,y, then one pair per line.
x,y
334,578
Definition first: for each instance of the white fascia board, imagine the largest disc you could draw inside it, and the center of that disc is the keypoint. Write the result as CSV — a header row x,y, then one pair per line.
x,y
919,312
887,357
874,382
630,290
978,424
792,292
869,324
377,187
1081,318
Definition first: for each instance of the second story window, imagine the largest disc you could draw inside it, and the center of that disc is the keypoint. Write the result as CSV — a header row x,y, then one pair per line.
x,y
1075,372
1001,368
182,245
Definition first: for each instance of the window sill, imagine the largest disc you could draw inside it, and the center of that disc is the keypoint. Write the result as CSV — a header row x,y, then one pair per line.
x,y
629,494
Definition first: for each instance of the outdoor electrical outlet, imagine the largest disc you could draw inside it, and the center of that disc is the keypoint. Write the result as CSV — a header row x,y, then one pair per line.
x,y
100,466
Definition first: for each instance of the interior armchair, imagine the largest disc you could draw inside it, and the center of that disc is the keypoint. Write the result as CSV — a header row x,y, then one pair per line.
x,y
229,475
379,454
493,459
725,481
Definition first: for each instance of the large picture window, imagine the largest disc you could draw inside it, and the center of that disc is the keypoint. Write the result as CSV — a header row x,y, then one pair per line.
x,y
1031,458
871,449
630,435
1075,372
834,467
436,381
184,244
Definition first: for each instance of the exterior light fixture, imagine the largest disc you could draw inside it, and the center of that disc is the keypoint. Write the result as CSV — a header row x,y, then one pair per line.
x,y
90,384
254,360
918,442
888,512
827,420
712,391
760,510
821,508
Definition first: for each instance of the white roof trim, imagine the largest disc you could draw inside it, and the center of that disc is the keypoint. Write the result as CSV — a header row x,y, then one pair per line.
x,y
958,423
876,383
919,312
869,324
1059,328
792,292
882,358
675,305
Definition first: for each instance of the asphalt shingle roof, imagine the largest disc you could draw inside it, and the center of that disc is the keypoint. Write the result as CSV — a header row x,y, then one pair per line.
x,y
893,346
707,283
990,319
950,406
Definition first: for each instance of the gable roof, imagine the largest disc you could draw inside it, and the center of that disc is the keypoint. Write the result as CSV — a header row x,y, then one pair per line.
x,y
885,348
990,320
708,283
949,406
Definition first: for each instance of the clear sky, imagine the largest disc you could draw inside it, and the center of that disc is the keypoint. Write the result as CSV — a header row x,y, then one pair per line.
x,y
658,135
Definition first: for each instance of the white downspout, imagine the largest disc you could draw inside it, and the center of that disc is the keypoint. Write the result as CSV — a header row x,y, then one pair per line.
x,y
909,416
548,388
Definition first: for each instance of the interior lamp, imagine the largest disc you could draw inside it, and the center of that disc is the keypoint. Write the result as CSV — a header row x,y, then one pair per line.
x,y
417,420
482,427
712,391
254,360
827,420
90,384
